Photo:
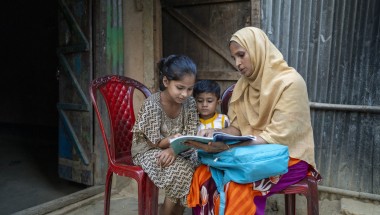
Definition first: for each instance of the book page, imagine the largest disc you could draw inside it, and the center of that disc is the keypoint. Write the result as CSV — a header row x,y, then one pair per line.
x,y
178,143
231,139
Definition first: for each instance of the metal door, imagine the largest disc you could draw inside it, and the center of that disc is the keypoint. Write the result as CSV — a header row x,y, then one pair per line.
x,y
74,107
201,29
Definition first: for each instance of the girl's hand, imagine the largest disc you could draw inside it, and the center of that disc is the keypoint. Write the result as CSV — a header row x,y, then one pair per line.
x,y
166,157
175,136
211,147
165,143
206,132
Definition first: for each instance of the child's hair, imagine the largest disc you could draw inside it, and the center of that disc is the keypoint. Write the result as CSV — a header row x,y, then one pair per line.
x,y
206,86
174,67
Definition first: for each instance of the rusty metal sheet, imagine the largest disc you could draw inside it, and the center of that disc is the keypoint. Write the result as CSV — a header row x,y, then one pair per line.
x,y
335,46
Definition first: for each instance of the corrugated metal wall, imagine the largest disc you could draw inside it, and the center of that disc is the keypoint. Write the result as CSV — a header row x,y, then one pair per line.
x,y
335,46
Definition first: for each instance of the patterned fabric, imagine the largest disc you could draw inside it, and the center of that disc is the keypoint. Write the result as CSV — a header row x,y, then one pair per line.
x,y
152,123
217,121
151,126
203,193
241,198
206,189
174,179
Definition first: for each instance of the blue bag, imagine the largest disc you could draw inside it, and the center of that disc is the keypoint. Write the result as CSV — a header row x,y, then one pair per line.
x,y
245,164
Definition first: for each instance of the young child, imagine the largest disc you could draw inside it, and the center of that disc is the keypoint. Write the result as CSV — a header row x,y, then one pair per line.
x,y
165,115
207,97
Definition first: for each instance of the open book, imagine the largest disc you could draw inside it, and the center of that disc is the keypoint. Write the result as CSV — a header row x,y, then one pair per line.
x,y
178,143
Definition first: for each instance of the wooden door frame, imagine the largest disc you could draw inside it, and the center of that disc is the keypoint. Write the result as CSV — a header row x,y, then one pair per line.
x,y
108,59
108,49
75,147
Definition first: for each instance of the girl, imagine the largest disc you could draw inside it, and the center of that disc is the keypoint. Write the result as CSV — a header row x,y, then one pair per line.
x,y
165,115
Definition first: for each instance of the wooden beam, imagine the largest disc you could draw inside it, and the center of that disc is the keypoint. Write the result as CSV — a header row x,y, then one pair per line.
x,y
255,13
148,48
157,41
138,5
62,202
218,75
201,35
183,3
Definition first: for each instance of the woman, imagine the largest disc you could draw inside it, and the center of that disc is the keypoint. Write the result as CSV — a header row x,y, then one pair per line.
x,y
269,101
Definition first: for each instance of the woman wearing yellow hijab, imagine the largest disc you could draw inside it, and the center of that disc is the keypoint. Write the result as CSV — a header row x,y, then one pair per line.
x,y
269,101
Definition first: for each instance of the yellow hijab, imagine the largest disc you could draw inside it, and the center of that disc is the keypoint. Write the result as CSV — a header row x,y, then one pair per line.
x,y
273,102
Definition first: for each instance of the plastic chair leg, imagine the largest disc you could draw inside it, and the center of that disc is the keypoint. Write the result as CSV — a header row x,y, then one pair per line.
x,y
154,199
312,197
141,189
311,194
107,192
147,197
290,204
151,198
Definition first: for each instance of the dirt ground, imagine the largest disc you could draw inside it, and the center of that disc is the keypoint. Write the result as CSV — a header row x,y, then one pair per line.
x,y
124,201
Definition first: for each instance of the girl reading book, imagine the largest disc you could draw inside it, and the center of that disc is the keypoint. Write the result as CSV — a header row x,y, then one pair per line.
x,y
167,114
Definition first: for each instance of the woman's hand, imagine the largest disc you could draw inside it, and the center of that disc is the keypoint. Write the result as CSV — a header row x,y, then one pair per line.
x,y
166,157
206,132
211,147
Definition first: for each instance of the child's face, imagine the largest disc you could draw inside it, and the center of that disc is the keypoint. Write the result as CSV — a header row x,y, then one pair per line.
x,y
206,104
180,90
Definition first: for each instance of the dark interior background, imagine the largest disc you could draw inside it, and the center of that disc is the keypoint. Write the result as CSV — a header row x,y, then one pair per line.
x,y
29,89
28,113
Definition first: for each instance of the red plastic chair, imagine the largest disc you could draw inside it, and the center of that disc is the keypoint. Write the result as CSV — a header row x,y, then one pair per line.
x,y
117,93
226,99
307,186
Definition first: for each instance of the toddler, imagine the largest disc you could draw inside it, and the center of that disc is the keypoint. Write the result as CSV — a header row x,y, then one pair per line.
x,y
207,97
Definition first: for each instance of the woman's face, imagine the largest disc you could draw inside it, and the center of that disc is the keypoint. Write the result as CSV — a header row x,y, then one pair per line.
x,y
241,58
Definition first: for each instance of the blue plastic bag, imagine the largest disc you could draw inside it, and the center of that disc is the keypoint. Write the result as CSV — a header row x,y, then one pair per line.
x,y
245,164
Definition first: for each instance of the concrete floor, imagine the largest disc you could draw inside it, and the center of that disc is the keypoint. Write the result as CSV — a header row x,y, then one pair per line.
x,y
122,202
29,179
28,168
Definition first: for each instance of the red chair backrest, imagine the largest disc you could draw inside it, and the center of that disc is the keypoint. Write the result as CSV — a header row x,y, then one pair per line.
x,y
226,99
117,93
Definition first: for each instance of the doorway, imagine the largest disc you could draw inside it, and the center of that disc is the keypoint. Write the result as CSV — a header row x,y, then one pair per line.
x,y
28,113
